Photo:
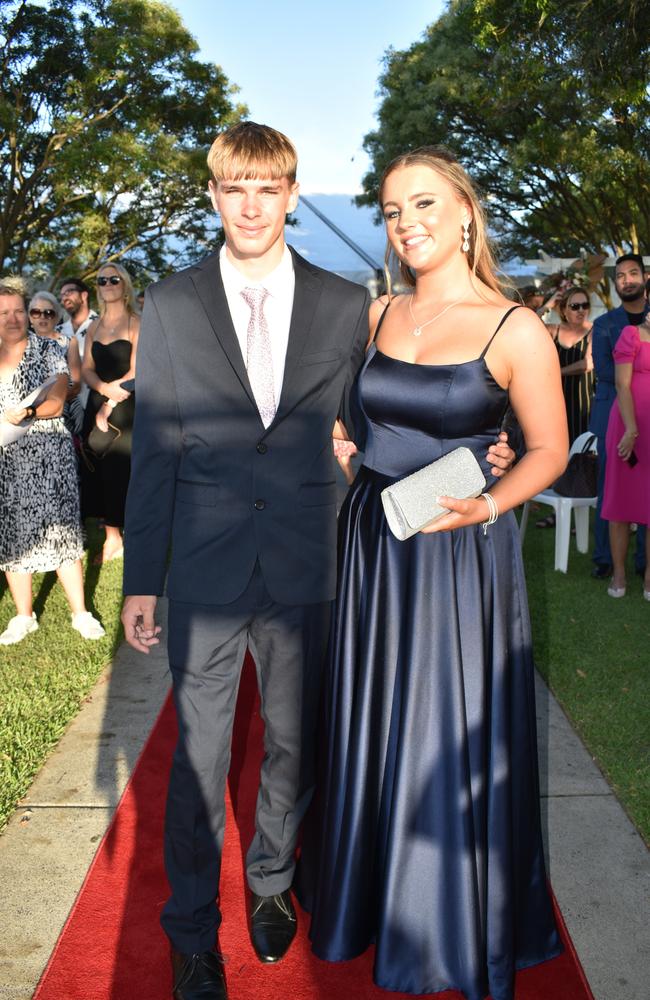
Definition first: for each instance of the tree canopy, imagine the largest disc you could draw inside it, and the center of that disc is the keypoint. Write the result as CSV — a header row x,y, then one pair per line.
x,y
106,114
547,105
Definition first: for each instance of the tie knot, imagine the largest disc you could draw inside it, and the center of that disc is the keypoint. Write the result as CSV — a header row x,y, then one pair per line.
x,y
254,298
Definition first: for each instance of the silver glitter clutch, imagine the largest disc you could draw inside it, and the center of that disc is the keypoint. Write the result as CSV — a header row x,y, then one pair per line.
x,y
410,504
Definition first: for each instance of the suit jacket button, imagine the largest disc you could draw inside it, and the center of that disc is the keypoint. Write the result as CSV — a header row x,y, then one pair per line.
x,y
262,448
259,505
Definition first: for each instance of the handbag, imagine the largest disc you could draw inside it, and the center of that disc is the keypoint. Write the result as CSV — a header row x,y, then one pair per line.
x,y
580,478
410,503
97,444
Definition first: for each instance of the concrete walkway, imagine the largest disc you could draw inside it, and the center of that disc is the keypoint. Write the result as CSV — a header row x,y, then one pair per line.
x,y
599,866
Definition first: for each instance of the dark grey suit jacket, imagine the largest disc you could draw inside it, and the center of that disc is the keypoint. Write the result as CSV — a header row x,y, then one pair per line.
x,y
207,479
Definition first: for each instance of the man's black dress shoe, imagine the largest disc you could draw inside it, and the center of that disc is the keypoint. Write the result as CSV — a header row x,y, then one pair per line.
x,y
273,925
601,571
198,977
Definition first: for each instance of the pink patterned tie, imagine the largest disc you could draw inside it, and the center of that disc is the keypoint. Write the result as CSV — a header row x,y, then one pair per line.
x,y
259,362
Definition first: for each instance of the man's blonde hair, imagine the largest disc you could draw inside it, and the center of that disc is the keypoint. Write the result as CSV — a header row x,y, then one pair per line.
x,y
249,151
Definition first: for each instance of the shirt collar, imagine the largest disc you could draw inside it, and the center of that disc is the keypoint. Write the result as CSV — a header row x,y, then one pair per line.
x,y
275,282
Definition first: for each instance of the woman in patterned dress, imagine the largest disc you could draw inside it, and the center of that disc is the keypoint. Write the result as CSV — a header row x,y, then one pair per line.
x,y
40,528
45,314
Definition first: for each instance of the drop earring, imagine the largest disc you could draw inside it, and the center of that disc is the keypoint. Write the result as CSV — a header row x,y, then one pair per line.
x,y
465,236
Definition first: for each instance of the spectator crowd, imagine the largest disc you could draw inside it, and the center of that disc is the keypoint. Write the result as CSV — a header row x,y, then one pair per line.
x,y
66,414
70,456
605,368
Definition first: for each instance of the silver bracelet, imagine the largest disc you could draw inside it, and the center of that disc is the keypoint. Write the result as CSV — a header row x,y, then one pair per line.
x,y
493,509
111,403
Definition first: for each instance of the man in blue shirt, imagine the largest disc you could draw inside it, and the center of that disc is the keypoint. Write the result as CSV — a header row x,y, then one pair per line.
x,y
629,279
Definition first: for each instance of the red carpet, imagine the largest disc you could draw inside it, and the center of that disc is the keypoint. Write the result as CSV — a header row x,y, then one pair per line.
x,y
112,947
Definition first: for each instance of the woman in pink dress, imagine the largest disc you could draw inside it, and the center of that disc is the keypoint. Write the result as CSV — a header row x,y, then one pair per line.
x,y
627,479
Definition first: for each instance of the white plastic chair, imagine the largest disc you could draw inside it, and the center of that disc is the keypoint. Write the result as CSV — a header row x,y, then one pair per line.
x,y
563,507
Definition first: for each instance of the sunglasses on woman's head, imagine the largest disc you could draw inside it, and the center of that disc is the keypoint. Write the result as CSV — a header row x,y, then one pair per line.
x,y
114,279
578,305
45,313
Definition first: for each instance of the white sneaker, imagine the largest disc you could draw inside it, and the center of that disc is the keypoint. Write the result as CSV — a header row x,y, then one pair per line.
x,y
18,628
87,626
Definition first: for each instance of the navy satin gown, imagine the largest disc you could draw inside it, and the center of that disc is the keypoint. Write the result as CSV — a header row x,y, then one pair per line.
x,y
424,837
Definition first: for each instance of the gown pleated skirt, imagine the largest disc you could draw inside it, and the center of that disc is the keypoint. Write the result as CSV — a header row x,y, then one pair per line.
x,y
425,834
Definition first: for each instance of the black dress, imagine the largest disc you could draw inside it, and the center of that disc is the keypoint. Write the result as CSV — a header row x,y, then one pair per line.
x,y
577,389
424,836
104,486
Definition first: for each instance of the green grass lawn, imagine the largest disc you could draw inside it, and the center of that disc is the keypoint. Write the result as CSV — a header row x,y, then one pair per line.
x,y
45,678
594,653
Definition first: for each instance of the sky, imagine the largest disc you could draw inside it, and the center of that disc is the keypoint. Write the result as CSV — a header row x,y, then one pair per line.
x,y
311,70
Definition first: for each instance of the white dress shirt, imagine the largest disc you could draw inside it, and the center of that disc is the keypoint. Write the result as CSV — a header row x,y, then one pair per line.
x,y
79,334
69,331
280,284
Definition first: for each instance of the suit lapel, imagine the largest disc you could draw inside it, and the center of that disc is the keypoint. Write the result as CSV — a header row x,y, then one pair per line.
x,y
206,278
306,295
209,287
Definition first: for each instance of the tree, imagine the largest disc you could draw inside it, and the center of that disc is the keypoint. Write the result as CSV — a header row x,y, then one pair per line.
x,y
106,116
550,117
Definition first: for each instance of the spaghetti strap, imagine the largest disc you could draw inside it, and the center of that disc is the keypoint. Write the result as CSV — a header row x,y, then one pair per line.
x,y
501,322
381,320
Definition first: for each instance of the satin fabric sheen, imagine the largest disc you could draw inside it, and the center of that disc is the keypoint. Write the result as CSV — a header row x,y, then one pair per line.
x,y
424,836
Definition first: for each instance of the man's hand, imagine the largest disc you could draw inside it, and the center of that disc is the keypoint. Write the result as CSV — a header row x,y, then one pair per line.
x,y
500,455
343,449
140,629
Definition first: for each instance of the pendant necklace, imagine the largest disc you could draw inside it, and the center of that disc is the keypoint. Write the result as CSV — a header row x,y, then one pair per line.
x,y
113,330
417,330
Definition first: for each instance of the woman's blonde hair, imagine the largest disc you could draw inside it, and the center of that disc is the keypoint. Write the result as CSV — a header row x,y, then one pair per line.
x,y
14,284
249,151
480,256
48,297
128,294
566,297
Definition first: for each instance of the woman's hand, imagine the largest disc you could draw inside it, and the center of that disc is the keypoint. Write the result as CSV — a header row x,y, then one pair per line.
x,y
462,513
115,391
103,413
626,444
15,416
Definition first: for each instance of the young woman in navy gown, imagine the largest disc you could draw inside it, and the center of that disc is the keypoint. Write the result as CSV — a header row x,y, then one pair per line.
x,y
425,838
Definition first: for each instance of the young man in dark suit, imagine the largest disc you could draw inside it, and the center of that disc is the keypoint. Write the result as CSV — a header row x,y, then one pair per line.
x,y
244,363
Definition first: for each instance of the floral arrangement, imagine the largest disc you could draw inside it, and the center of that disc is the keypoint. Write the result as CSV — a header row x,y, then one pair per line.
x,y
586,272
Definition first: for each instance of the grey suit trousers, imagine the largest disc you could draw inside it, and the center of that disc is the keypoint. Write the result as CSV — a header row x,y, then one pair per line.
x,y
207,645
